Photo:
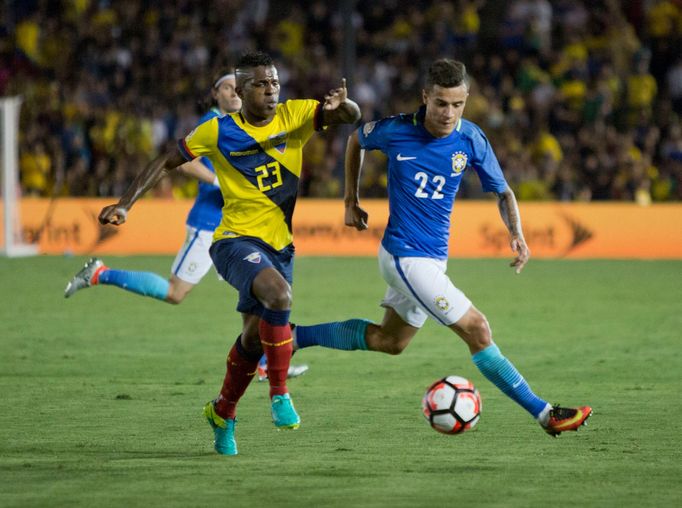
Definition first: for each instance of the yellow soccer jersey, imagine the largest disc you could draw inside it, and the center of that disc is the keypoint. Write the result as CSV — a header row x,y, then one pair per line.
x,y
258,168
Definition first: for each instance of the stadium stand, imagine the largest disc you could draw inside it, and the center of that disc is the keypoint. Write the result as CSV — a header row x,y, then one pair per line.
x,y
582,99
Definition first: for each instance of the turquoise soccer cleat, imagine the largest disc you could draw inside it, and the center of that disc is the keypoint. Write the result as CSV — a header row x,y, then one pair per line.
x,y
284,415
223,431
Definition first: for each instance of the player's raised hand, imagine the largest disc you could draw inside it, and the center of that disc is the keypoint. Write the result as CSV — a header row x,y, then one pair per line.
x,y
113,214
356,217
518,245
335,97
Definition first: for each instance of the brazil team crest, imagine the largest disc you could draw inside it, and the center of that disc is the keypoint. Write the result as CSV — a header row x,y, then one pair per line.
x,y
459,163
442,303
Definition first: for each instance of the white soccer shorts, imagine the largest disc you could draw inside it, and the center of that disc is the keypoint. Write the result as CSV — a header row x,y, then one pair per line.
x,y
418,288
193,260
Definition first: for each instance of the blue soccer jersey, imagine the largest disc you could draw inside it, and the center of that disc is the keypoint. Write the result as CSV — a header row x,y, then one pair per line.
x,y
207,209
424,174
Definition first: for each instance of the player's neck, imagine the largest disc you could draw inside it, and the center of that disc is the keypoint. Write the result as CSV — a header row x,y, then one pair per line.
x,y
255,121
435,132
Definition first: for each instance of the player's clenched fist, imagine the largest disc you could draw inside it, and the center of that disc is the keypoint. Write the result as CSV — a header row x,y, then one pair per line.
x,y
335,97
113,214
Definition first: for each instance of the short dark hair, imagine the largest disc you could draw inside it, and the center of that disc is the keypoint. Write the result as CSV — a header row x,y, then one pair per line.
x,y
254,59
446,73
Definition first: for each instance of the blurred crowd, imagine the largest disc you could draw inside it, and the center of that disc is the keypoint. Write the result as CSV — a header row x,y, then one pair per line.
x,y
582,100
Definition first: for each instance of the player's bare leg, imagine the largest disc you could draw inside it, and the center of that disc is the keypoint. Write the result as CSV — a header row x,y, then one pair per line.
x,y
392,336
178,290
474,329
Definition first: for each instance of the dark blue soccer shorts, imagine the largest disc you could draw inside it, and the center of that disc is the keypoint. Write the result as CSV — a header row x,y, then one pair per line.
x,y
239,260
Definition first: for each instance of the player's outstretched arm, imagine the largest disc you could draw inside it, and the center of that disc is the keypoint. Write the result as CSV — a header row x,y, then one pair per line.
x,y
338,108
117,213
354,215
509,210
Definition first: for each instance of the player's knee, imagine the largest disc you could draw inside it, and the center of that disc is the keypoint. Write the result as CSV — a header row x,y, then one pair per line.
x,y
251,341
387,343
479,331
278,299
394,348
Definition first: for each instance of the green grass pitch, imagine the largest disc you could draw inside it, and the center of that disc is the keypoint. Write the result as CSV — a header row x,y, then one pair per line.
x,y
101,395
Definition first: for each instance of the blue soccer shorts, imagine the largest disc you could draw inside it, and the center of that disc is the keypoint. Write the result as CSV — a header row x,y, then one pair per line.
x,y
239,260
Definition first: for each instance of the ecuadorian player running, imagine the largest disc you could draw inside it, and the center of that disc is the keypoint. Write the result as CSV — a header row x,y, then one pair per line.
x,y
193,260
257,156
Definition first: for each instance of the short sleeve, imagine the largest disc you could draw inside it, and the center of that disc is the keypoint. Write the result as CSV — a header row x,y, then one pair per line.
x,y
203,140
486,164
302,117
373,135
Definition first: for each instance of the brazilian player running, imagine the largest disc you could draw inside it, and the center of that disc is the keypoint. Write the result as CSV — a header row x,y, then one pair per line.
x,y
257,156
428,152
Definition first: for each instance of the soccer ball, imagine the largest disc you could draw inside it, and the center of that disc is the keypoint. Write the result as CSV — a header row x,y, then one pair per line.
x,y
452,405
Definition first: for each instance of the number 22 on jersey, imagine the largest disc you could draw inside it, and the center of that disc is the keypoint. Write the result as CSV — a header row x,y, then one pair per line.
x,y
423,179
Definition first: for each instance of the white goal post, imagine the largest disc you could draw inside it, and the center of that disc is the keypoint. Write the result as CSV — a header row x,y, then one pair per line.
x,y
12,245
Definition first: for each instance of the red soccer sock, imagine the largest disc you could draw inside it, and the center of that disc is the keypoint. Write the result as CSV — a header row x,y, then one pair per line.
x,y
278,346
240,371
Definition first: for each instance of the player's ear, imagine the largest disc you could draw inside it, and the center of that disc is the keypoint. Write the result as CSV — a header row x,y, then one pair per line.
x,y
425,95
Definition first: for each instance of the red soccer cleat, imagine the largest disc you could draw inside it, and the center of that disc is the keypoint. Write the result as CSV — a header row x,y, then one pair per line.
x,y
566,418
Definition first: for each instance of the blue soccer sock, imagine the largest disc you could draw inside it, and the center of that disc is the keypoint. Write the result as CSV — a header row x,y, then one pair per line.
x,y
142,283
500,371
346,335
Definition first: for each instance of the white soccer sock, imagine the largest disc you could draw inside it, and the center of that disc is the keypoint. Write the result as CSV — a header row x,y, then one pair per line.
x,y
543,417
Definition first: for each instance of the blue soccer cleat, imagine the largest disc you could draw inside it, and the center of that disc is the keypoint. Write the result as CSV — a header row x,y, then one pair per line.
x,y
284,415
223,431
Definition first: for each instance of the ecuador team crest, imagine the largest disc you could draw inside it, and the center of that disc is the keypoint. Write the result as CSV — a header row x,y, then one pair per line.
x,y
459,163
279,141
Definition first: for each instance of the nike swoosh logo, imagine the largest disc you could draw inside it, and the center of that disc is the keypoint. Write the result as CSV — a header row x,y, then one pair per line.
x,y
403,158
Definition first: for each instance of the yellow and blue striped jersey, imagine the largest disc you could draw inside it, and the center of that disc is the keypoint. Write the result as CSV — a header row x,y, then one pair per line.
x,y
258,168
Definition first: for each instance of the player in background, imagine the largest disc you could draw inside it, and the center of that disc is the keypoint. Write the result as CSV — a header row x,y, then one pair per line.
x,y
257,156
427,153
193,260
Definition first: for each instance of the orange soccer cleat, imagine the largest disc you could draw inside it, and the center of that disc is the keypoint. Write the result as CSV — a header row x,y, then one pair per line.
x,y
566,418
